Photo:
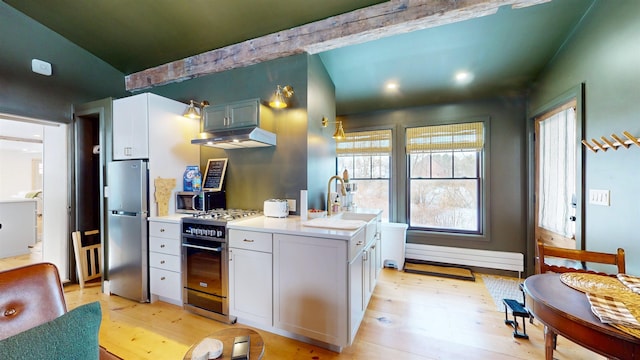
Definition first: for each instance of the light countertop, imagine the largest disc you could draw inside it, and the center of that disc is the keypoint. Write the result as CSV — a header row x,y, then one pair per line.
x,y
173,218
294,225
8,201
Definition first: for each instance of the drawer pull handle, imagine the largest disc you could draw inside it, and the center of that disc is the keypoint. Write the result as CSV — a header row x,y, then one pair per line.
x,y
162,278
162,246
359,243
161,261
161,230
248,240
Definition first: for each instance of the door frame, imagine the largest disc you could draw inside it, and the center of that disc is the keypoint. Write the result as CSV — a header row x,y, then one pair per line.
x,y
103,110
577,92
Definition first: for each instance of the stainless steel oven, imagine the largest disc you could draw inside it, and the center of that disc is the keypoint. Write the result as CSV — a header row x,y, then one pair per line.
x,y
205,269
205,263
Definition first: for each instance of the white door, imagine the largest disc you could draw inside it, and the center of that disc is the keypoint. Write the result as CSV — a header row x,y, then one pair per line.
x,y
55,198
556,176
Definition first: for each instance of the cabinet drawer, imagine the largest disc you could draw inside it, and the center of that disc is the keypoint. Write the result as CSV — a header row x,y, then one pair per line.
x,y
164,229
166,284
356,244
251,240
165,246
164,261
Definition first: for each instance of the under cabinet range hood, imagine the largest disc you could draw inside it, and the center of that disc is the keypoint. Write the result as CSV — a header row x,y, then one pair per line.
x,y
237,138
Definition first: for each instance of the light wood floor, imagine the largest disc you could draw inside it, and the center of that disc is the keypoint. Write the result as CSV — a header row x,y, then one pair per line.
x,y
410,316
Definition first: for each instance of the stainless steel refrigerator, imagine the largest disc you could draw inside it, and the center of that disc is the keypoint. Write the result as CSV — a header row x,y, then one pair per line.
x,y
127,211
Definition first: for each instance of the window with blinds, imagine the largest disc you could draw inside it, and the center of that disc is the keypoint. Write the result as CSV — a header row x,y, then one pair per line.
x,y
445,184
366,155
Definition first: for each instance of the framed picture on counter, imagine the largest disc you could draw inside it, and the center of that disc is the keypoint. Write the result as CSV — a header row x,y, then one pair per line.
x,y
214,175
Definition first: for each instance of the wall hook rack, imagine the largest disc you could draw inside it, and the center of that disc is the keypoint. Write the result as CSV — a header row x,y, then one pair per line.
x,y
614,143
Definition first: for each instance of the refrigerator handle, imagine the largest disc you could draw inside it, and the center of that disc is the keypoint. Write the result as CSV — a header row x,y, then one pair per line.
x,y
123,213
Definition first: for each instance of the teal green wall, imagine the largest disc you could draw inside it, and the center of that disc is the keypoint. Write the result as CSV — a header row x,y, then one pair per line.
x,y
505,167
78,76
321,153
258,174
604,53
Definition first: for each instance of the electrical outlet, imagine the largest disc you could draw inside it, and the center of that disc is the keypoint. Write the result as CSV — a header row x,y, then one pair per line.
x,y
599,197
292,205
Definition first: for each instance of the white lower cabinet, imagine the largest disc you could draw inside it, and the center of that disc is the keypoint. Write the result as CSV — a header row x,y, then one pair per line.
x,y
310,287
357,305
250,276
165,272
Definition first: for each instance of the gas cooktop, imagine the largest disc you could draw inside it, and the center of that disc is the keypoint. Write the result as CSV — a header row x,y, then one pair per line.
x,y
225,214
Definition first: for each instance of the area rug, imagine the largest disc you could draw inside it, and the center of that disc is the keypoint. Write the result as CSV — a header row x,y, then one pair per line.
x,y
437,269
501,287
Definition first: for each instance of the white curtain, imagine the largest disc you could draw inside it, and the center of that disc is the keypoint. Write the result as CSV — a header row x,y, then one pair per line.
x,y
557,152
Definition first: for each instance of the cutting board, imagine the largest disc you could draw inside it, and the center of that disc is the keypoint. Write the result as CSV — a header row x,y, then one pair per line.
x,y
164,189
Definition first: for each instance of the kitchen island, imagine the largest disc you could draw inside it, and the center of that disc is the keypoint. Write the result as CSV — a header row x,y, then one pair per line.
x,y
18,226
305,282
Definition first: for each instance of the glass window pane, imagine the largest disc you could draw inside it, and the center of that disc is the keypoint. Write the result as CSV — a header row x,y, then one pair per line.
x,y
465,164
373,194
419,165
442,165
362,167
444,204
380,167
345,162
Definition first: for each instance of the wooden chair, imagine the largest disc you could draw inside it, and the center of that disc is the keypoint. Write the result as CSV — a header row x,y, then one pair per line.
x,y
88,257
581,256
577,256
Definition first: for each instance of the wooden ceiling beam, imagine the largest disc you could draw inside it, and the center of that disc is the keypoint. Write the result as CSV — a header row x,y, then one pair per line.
x,y
374,22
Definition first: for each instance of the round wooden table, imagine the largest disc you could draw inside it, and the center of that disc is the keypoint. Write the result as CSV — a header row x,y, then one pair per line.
x,y
567,312
256,350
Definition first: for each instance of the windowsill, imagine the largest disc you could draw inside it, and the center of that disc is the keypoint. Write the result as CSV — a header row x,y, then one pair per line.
x,y
443,238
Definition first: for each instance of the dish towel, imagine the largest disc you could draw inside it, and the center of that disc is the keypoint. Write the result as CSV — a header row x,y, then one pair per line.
x,y
630,281
611,311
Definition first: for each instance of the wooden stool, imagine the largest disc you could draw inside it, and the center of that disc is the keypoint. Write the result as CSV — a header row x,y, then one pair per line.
x,y
256,351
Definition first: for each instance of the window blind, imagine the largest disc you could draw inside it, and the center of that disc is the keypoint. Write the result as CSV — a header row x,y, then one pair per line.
x,y
376,142
464,136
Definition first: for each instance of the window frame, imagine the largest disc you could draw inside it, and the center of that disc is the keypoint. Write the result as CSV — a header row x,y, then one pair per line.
x,y
485,181
392,180
478,186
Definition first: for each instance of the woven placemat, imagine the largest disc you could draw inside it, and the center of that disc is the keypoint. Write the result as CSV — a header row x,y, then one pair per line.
x,y
610,286
595,284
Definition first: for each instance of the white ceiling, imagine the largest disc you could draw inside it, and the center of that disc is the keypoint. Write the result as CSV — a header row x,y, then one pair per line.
x,y
20,130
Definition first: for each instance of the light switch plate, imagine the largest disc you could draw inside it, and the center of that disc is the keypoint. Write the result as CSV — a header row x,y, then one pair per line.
x,y
599,197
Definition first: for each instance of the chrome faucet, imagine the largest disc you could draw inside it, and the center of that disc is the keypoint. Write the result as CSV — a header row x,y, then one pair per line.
x,y
342,190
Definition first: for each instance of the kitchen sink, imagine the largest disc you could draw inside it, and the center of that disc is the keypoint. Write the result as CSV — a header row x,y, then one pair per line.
x,y
346,215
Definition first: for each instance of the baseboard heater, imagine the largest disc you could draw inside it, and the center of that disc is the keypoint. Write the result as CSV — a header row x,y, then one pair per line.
x,y
500,260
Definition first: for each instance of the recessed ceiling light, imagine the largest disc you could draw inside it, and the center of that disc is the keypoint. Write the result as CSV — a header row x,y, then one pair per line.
x,y
463,77
391,86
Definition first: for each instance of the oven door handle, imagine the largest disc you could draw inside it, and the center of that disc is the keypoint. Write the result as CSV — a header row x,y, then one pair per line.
x,y
218,249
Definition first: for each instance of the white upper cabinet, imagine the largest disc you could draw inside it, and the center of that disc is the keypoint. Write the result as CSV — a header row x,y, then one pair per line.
x,y
131,128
